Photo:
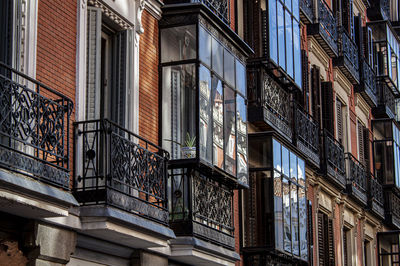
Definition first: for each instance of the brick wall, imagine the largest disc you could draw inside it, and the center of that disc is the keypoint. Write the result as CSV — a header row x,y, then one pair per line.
x,y
148,82
56,49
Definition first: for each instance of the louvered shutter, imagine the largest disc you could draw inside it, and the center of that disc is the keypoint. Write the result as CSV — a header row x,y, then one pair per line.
x,y
327,106
321,239
361,152
306,75
310,231
331,244
339,120
6,31
316,90
345,248
366,148
118,90
358,33
93,63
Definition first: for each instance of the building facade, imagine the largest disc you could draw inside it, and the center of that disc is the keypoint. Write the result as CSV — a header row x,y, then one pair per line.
x,y
187,132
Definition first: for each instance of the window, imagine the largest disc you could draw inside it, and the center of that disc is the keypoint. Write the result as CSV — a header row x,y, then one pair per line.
x,y
284,37
326,253
363,143
107,61
368,253
347,254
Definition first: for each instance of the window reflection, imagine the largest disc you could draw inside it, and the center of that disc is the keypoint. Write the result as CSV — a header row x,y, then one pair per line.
x,y
287,236
278,211
205,46
205,114
230,130
241,121
218,121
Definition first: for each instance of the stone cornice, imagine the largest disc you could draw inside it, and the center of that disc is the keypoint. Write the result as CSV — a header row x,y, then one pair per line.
x,y
362,104
317,50
342,81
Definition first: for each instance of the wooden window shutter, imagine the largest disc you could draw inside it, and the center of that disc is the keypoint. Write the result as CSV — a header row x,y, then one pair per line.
x,y
327,106
339,120
345,249
306,79
6,31
321,239
366,148
316,93
361,152
93,63
359,35
331,243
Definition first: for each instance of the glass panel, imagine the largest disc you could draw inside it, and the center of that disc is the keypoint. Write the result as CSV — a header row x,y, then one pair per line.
x,y
293,166
287,236
204,46
296,12
297,54
230,130
240,78
289,44
179,115
285,161
288,4
217,57
218,121
301,172
278,211
303,223
273,31
294,220
229,68
205,114
178,43
281,36
241,121
276,146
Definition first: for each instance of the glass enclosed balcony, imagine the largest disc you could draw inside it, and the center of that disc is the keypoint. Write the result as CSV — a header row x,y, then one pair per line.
x,y
34,128
204,112
275,206
386,47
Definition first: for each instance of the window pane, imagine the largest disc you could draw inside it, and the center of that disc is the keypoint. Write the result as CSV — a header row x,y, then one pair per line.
x,y
285,161
278,211
296,12
273,31
293,166
230,130
178,43
303,223
294,220
229,68
218,121
288,4
277,155
217,57
289,44
205,114
205,46
241,139
179,115
240,78
287,236
301,172
281,36
297,54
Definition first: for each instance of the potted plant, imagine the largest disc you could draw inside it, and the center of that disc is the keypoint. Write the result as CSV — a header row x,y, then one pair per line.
x,y
189,150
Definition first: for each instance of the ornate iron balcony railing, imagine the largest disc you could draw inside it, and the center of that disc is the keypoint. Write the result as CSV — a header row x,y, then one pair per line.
x,y
368,86
393,208
306,11
220,7
348,57
119,168
307,134
386,99
375,194
34,128
201,207
334,159
356,178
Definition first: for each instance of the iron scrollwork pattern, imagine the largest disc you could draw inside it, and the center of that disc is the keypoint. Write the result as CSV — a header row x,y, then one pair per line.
x,y
328,24
212,205
349,51
387,99
356,176
34,128
306,6
129,168
219,7
334,154
369,79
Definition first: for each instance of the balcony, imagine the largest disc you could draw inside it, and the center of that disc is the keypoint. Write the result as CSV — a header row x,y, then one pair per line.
x,y
335,169
307,135
117,168
306,11
392,208
271,106
356,179
368,87
201,208
379,10
375,196
347,61
34,128
325,29
386,102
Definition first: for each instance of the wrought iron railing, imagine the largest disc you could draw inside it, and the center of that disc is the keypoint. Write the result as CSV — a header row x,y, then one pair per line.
x,y
334,156
386,99
307,133
119,168
306,7
204,204
328,23
349,50
385,9
394,207
220,7
34,128
356,175
375,190
369,81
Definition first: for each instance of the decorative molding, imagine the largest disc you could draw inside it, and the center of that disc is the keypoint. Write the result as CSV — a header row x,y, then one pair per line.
x,y
341,79
362,104
139,26
154,8
319,53
122,22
